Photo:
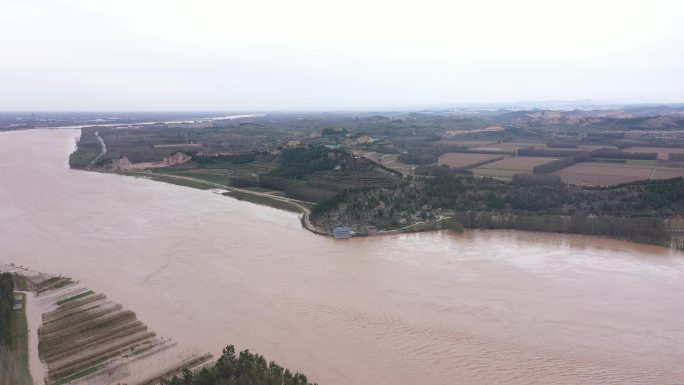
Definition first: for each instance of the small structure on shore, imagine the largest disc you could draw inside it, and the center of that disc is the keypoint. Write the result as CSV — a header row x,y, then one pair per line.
x,y
18,301
341,232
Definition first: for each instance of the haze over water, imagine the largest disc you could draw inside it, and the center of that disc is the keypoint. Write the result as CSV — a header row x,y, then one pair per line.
x,y
431,308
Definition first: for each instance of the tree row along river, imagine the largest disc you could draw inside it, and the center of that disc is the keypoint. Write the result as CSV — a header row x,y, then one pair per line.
x,y
429,308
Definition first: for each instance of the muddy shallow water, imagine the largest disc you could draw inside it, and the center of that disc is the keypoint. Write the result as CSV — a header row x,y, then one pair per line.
x,y
432,308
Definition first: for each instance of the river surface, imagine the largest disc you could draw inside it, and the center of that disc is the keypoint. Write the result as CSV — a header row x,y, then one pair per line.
x,y
496,307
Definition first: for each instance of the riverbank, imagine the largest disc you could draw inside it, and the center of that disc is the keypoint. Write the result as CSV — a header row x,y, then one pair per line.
x,y
129,123
81,337
483,306
276,201
257,197
415,206
304,208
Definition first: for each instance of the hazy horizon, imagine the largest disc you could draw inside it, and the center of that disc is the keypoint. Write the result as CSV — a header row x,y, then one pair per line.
x,y
74,55
524,104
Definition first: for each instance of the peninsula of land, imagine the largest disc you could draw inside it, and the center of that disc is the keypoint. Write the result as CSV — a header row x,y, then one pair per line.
x,y
615,173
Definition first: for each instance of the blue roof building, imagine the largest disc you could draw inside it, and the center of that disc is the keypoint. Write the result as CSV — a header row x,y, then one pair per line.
x,y
341,232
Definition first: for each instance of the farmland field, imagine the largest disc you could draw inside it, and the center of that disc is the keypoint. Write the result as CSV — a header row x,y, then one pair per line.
x,y
178,145
592,147
226,170
663,152
521,163
85,338
603,174
467,143
504,147
464,160
495,173
388,160
508,167
666,173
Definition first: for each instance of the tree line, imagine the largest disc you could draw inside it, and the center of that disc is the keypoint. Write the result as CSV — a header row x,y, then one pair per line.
x,y
6,306
633,211
246,368
297,163
558,164
644,230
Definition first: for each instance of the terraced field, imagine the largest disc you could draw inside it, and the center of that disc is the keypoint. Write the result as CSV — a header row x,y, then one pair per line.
x,y
354,180
223,174
256,167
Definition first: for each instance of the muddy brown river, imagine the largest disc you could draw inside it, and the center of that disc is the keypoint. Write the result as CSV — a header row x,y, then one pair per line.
x,y
495,307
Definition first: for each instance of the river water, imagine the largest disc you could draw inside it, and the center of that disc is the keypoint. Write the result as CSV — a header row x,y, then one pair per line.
x,y
432,308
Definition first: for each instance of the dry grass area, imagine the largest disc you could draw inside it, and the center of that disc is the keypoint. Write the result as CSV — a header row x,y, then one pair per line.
x,y
464,160
86,338
663,153
508,167
603,174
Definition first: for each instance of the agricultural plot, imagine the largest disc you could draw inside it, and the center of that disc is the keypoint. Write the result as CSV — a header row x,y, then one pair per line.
x,y
507,167
354,180
223,174
663,152
467,143
503,148
667,173
592,147
211,176
633,162
245,169
603,174
400,166
86,338
178,146
388,160
465,160
494,173
461,131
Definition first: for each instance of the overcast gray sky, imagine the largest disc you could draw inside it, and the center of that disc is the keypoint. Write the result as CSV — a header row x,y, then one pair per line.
x,y
265,55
